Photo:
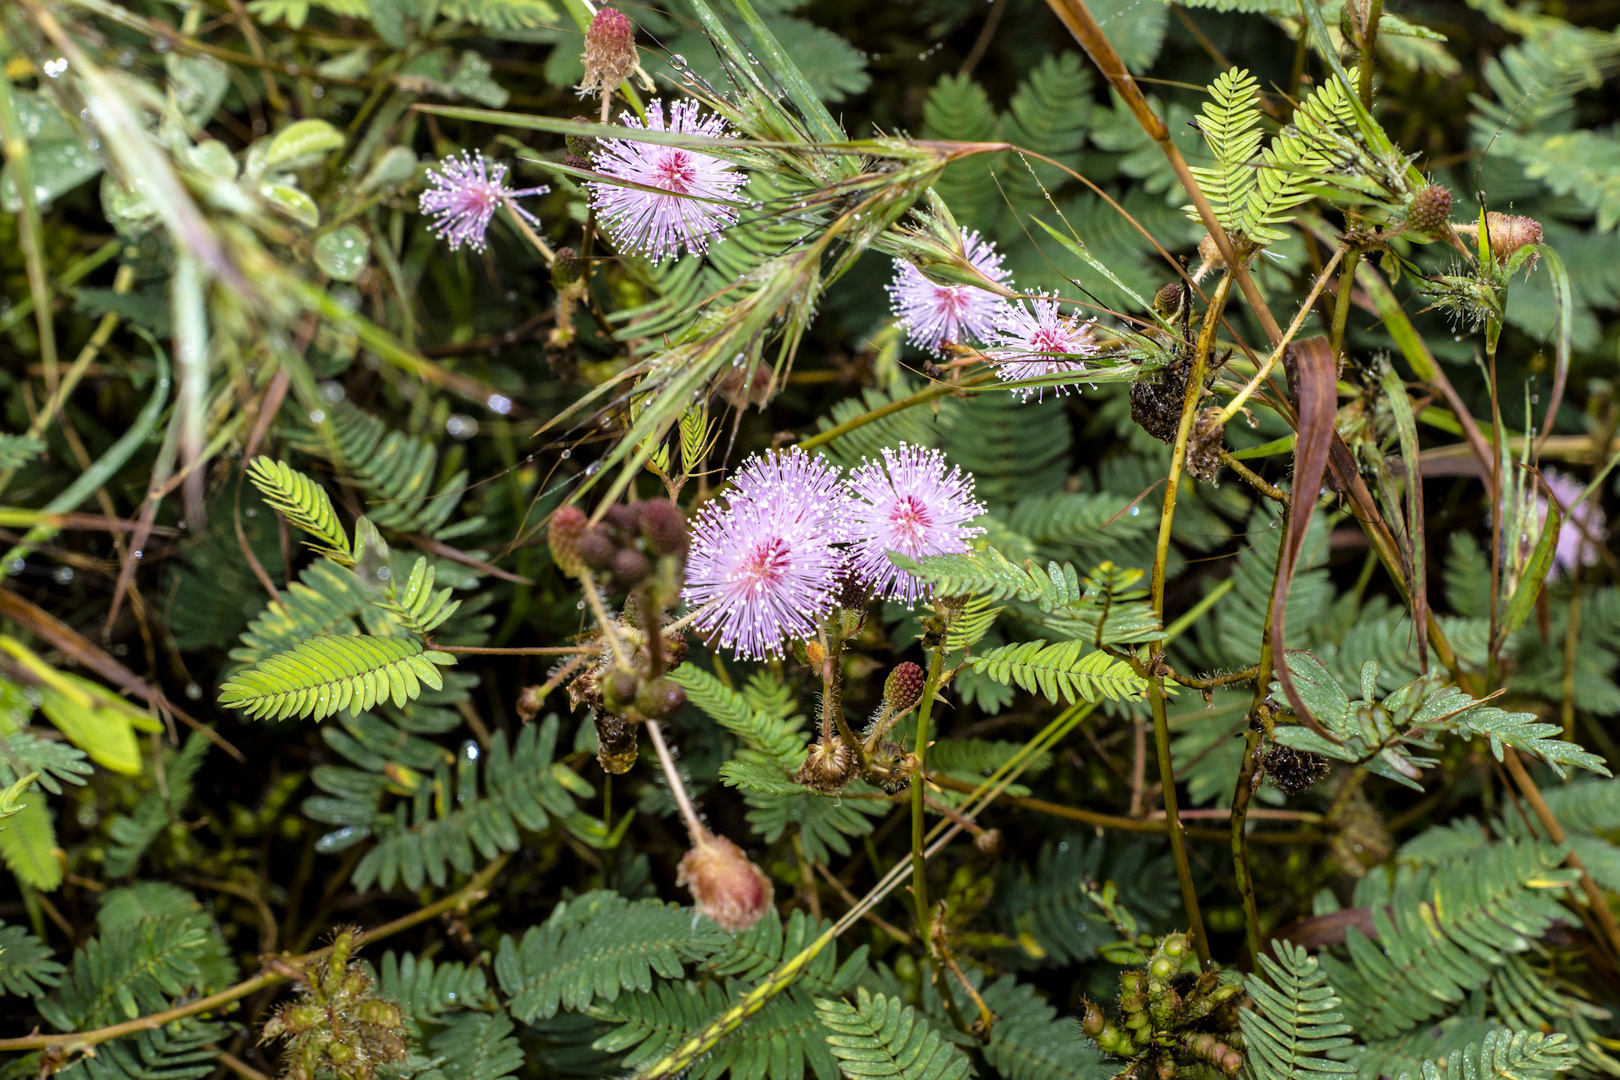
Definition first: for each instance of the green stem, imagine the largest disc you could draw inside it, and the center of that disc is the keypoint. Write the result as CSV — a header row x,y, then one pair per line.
x,y
1369,46
1341,303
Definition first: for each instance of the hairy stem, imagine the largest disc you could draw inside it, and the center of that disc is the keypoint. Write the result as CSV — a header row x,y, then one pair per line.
x,y
919,877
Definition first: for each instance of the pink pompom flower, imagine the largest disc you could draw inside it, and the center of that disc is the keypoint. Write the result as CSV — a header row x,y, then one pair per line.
x,y
694,200
810,483
1031,343
464,193
910,504
940,315
761,573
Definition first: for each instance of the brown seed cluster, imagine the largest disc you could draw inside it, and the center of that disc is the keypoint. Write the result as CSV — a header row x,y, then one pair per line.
x,y
1205,444
1291,771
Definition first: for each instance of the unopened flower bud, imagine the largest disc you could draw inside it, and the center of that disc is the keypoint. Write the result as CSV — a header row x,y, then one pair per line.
x,y
528,703
814,654
610,52
622,519
664,526
565,268
1430,211
575,161
660,699
619,691
630,567
567,529
725,885
596,548
1169,298
904,687
1510,232
828,766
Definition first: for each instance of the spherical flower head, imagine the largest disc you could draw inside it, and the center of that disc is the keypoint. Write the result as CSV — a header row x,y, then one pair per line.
x,y
807,482
695,190
910,504
940,315
725,885
762,574
1031,342
610,52
464,193
1581,535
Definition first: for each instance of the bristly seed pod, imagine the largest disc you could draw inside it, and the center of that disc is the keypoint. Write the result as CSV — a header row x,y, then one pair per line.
x,y
1430,211
828,766
904,687
1204,446
616,743
567,529
1293,771
890,768
725,885
610,53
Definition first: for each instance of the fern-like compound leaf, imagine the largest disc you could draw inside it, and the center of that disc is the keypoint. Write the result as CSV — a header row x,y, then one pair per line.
x,y
1295,1020
883,1036
595,947
326,675
1071,670
1505,1055
303,503
417,607
26,964
1231,127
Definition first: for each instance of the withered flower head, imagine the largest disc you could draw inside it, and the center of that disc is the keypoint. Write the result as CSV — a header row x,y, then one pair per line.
x,y
828,766
610,52
725,885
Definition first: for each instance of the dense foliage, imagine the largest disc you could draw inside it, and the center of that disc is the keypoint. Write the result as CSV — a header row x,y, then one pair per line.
x,y
759,538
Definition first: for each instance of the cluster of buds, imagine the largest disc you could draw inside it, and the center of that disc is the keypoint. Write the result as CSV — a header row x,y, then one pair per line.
x,y
642,549
1429,211
338,1027
638,543
1170,1018
831,763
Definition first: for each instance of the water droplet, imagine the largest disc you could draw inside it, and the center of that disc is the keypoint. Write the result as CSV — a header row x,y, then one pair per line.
x,y
317,416
62,575
332,391
566,454
193,691
499,403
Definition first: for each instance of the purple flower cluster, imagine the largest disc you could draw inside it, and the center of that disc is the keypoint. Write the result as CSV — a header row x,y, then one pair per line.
x,y
464,193
766,560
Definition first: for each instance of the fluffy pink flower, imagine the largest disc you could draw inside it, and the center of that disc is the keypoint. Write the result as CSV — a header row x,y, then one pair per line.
x,y
700,186
464,194
1582,533
764,570
1030,344
808,482
909,504
939,315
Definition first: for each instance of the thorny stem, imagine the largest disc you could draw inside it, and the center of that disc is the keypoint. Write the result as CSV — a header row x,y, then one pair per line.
x,y
610,629
1252,478
287,968
694,827
1161,721
919,878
